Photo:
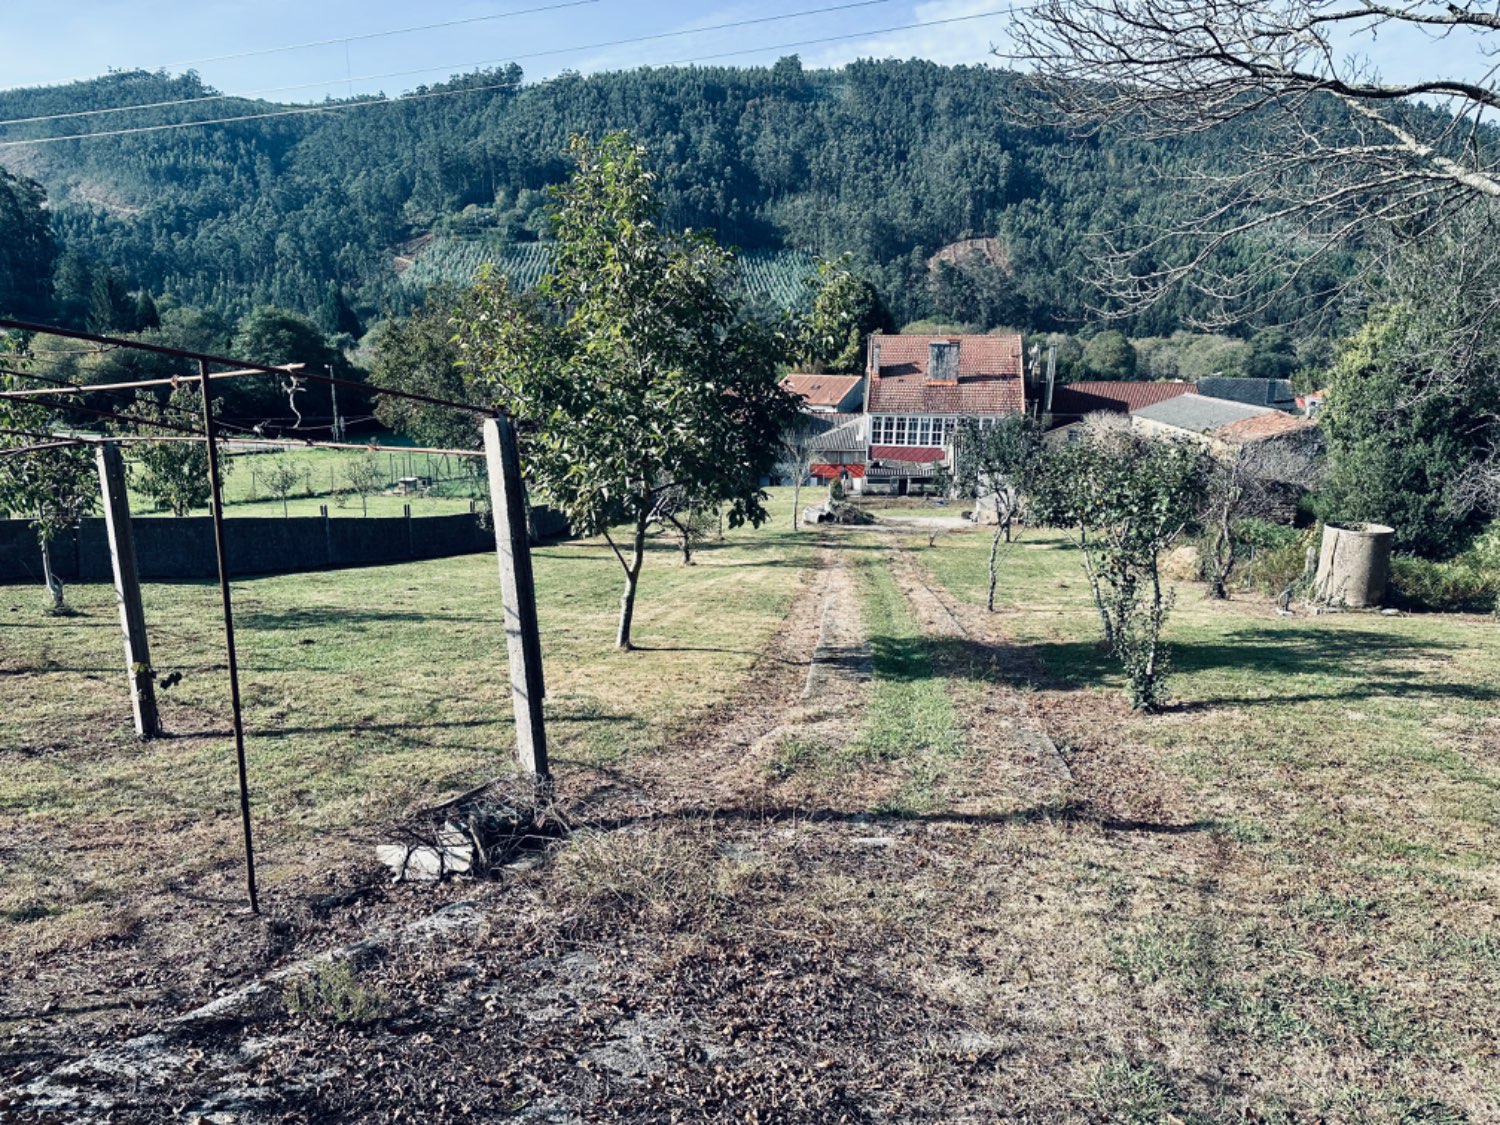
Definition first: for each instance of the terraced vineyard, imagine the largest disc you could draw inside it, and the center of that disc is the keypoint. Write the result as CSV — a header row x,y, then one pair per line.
x,y
778,277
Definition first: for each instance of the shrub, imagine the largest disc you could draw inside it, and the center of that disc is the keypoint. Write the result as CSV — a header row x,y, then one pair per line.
x,y
332,993
1271,556
1464,585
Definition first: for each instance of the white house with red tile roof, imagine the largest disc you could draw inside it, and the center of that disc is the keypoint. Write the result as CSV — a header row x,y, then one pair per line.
x,y
920,387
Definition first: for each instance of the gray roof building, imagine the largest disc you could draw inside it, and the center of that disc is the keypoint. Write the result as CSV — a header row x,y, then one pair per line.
x,y
1275,393
1199,413
846,436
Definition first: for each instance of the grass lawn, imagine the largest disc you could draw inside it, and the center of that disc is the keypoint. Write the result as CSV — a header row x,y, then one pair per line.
x,y
1338,939
365,691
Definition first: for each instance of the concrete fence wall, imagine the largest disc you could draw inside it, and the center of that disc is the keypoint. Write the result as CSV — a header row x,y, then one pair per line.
x,y
173,549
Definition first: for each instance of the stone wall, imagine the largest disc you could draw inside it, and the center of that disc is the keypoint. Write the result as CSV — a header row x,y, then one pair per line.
x,y
172,549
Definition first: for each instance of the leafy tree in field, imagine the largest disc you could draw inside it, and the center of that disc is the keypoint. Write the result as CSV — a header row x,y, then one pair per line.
x,y
1109,355
365,477
846,308
1126,499
174,474
999,463
55,488
638,376
281,480
27,249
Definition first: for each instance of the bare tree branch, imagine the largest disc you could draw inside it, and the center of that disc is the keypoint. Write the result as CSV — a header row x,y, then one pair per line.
x,y
1333,153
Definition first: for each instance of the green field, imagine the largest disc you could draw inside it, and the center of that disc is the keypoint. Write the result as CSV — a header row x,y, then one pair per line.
x,y
323,481
365,690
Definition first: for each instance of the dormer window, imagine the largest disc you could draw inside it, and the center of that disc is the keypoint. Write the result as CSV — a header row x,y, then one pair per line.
x,y
942,361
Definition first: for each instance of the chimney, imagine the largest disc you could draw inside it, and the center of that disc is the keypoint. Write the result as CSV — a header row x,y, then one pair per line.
x,y
875,354
942,361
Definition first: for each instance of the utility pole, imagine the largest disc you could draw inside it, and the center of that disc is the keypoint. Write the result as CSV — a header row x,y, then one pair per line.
x,y
128,590
338,423
1051,373
518,594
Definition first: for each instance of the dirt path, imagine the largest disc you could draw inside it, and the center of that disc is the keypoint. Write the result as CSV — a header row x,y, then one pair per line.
x,y
811,683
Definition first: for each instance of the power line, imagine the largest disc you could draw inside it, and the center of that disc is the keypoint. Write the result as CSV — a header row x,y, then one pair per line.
x,y
452,67
344,39
383,101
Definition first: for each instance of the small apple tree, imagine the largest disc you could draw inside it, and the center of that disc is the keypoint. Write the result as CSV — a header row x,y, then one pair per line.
x,y
1126,499
55,487
999,464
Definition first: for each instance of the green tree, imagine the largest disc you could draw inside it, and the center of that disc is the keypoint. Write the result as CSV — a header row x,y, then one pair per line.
x,y
419,354
1109,355
73,287
1126,499
846,308
27,249
276,337
1395,446
174,474
281,480
366,478
110,309
638,378
1000,464
147,317
1273,354
55,487
335,316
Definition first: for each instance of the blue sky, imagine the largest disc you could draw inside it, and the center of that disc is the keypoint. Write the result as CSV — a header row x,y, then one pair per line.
x,y
44,41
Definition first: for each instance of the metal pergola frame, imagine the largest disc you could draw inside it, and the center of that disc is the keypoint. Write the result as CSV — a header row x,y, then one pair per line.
x,y
500,452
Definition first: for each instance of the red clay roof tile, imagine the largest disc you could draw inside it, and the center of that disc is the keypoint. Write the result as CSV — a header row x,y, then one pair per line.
x,y
821,390
1078,399
989,377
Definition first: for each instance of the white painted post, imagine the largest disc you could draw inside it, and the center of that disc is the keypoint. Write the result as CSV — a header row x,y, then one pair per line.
x,y
128,590
518,593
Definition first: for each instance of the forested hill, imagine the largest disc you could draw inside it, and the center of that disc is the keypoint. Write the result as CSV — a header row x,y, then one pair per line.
x,y
890,161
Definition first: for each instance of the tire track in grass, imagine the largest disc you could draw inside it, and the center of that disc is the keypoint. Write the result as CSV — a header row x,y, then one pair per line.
x,y
911,720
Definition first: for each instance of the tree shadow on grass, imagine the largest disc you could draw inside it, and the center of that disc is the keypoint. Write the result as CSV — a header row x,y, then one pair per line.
x,y
1360,663
316,617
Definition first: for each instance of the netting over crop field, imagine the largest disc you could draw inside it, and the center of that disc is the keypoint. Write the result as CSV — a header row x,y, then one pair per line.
x,y
778,277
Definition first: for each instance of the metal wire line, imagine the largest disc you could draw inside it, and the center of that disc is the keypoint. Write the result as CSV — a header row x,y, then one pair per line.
x,y
230,442
335,107
362,37
246,367
450,67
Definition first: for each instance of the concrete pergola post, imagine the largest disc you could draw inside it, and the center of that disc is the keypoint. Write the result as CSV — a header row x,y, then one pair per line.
x,y
518,593
128,590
